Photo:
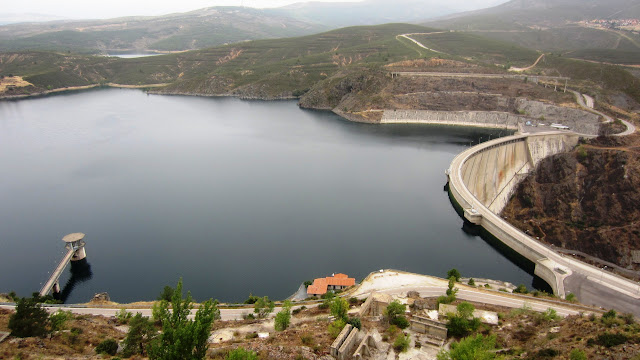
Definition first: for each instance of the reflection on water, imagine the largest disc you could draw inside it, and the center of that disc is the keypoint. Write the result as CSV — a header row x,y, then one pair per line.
x,y
80,272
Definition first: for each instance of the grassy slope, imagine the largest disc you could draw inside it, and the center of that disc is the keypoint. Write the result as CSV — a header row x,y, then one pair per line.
x,y
289,67
278,66
479,48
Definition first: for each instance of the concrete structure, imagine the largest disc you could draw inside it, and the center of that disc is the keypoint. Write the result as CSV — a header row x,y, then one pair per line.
x,y
486,119
430,327
75,251
487,317
481,181
343,344
320,286
365,348
375,304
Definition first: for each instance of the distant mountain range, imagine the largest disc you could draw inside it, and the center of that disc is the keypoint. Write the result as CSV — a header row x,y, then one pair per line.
x,y
543,13
217,25
183,31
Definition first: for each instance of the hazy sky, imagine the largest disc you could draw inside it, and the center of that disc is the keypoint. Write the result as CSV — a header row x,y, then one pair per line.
x,y
113,8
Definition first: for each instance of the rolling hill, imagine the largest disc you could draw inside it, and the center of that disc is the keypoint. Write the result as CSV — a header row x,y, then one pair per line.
x,y
175,32
556,26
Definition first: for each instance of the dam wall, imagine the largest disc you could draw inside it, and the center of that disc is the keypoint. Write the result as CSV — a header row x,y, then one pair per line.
x,y
493,172
486,119
483,178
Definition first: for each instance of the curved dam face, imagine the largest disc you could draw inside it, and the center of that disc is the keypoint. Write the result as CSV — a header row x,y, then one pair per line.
x,y
483,178
492,172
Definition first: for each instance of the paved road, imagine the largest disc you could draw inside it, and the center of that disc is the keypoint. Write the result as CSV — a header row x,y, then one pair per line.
x,y
590,291
580,98
225,314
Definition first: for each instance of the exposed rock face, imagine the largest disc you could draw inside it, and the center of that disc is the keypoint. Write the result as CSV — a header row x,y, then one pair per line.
x,y
587,200
101,297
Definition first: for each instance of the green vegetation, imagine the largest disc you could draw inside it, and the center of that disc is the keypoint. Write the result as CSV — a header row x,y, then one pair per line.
x,y
182,338
283,317
59,319
263,307
30,319
521,289
478,48
139,336
609,339
463,323
454,273
576,354
241,354
167,293
401,344
355,322
471,282
339,308
471,348
123,316
108,346
335,327
395,314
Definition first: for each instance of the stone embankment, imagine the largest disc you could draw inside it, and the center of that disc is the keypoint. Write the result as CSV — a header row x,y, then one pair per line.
x,y
534,113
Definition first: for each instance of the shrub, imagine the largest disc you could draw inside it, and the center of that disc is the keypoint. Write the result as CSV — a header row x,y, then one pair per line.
x,y
521,289
263,307
611,314
167,293
109,347
610,340
241,354
401,322
471,282
353,300
251,299
571,297
478,347
283,317
401,344
140,333
30,319
59,319
307,283
454,273
335,327
550,315
577,355
123,316
339,308
394,309
547,353
355,322
307,339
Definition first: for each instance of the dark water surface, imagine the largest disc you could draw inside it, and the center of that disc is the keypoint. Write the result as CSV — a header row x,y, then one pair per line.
x,y
235,197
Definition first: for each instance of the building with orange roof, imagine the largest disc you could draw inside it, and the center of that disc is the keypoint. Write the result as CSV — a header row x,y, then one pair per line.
x,y
320,286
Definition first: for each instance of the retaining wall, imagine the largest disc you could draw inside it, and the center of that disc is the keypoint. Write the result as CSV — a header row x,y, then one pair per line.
x,y
486,119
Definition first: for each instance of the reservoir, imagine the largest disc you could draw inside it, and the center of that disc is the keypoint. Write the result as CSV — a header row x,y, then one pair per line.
x,y
233,196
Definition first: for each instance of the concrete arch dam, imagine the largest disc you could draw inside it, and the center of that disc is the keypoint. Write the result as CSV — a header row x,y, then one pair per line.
x,y
482,180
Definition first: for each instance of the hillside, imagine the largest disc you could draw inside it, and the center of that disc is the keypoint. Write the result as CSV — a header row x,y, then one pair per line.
x,y
175,32
565,27
262,69
518,14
